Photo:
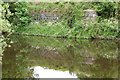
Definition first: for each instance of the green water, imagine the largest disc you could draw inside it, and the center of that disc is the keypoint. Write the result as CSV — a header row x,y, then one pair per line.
x,y
36,57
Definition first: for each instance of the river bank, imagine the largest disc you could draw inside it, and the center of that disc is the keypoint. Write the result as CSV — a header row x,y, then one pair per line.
x,y
65,37
102,30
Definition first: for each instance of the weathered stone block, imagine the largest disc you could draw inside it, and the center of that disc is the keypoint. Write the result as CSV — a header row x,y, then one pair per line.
x,y
90,14
45,16
89,17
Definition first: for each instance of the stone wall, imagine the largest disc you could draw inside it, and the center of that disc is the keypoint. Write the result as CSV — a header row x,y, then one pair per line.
x,y
89,17
90,14
45,17
49,16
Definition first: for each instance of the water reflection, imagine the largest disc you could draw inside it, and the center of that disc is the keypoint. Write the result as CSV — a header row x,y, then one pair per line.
x,y
2,47
33,57
42,72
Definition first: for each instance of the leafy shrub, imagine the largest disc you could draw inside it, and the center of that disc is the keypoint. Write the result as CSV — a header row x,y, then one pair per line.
x,y
5,26
20,12
107,9
107,28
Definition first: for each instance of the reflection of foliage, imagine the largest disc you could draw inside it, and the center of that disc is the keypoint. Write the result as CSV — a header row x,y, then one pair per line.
x,y
17,68
17,62
2,46
106,49
80,56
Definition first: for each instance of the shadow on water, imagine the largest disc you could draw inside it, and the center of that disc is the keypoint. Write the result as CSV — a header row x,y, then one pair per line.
x,y
36,57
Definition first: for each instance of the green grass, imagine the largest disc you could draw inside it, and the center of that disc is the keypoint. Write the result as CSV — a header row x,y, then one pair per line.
x,y
50,6
43,6
40,29
103,29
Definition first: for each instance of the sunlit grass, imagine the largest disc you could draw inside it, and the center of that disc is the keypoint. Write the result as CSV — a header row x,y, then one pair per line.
x,y
39,29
